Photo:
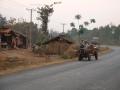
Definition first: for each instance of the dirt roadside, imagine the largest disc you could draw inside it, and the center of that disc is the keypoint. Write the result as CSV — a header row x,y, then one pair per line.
x,y
12,61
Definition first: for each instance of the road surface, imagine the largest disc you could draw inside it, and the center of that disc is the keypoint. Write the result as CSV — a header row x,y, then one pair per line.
x,y
103,74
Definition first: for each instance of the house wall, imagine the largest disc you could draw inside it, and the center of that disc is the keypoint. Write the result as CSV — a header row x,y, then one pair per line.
x,y
57,47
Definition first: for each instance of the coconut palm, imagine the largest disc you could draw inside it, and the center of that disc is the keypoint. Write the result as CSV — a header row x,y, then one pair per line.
x,y
86,23
80,26
72,24
92,20
78,17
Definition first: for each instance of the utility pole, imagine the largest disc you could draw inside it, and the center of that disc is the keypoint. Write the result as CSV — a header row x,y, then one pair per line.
x,y
63,24
30,29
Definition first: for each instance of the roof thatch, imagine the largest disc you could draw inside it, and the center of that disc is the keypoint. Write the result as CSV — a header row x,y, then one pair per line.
x,y
17,32
8,30
59,38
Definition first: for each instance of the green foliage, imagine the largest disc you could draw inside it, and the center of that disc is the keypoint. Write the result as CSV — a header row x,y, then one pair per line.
x,y
92,20
86,23
81,28
44,13
66,56
73,33
78,16
38,36
72,24
81,31
3,21
104,34
24,28
41,39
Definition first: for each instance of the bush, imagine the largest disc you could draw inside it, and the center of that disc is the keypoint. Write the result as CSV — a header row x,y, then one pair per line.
x,y
66,56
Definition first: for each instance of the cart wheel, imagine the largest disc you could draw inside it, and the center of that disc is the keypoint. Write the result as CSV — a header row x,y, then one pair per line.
x,y
80,58
96,56
89,57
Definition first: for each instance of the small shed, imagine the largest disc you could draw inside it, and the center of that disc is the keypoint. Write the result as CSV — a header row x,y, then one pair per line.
x,y
58,45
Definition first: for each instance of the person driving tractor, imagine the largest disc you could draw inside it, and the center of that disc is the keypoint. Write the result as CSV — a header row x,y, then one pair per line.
x,y
84,44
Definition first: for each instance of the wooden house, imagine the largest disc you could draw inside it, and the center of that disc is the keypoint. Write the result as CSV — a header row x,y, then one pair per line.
x,y
58,45
12,39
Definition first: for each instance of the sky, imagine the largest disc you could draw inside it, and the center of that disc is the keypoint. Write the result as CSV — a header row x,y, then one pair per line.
x,y
103,11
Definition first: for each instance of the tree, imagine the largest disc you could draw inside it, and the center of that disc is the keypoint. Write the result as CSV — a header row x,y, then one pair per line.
x,y
3,21
92,20
81,29
78,17
45,13
12,21
80,26
23,28
73,30
72,25
86,23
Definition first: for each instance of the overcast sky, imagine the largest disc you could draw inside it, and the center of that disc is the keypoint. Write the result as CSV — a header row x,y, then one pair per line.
x,y
104,11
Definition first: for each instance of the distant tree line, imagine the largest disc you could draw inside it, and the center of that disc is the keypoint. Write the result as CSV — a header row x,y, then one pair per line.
x,y
109,34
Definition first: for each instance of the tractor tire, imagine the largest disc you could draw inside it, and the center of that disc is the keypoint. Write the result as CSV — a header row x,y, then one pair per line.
x,y
80,58
89,57
96,56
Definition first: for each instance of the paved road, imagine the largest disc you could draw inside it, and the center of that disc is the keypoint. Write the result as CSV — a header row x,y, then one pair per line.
x,y
94,75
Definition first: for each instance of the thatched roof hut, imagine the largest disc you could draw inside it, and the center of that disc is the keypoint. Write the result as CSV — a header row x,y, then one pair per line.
x,y
7,36
58,45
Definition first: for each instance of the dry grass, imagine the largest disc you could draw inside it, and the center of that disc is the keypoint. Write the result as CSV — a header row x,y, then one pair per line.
x,y
17,60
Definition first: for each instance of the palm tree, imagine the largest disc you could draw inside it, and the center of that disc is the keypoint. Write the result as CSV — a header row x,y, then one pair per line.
x,y
86,23
92,20
72,24
80,26
78,17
